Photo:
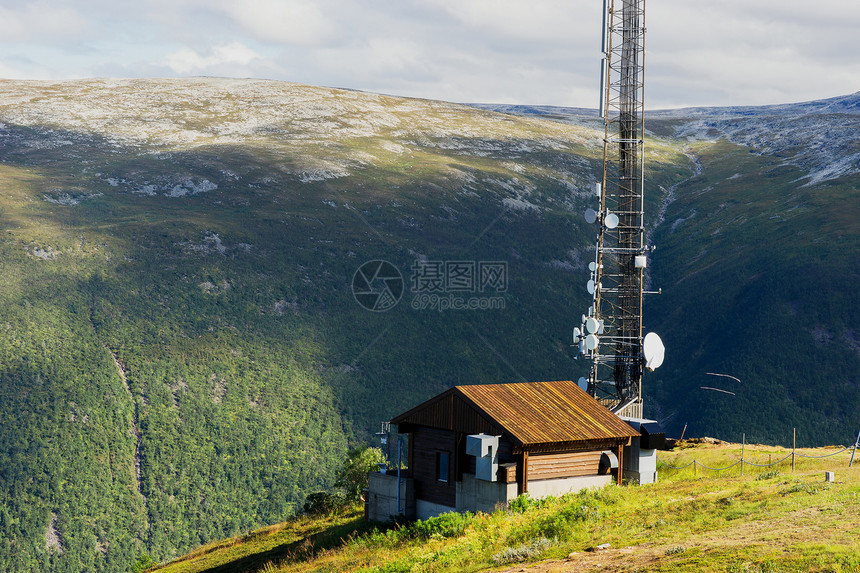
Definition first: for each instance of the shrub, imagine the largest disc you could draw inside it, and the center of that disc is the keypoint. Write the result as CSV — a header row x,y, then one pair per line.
x,y
323,502
523,552
767,475
450,524
521,503
143,563
524,502
353,475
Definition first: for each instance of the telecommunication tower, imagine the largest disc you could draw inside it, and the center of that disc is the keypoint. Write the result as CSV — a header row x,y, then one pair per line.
x,y
611,331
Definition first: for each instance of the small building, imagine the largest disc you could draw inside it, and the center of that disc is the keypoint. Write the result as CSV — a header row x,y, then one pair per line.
x,y
475,448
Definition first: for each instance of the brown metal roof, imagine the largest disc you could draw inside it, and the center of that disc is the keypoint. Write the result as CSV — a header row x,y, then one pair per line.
x,y
530,412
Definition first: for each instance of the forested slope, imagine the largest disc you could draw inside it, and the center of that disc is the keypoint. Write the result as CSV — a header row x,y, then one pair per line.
x,y
183,357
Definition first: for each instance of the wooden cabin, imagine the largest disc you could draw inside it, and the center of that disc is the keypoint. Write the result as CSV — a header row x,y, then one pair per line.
x,y
474,448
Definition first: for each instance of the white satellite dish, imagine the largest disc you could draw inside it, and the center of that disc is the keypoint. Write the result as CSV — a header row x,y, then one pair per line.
x,y
611,221
590,215
592,325
576,334
591,342
583,383
654,351
592,266
589,286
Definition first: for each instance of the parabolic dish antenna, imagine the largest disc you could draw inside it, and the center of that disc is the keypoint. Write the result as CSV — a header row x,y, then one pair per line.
x,y
592,325
589,286
583,383
590,215
576,334
654,351
592,266
611,221
591,342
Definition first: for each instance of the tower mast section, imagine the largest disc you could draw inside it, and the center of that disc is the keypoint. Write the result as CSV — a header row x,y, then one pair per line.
x,y
616,346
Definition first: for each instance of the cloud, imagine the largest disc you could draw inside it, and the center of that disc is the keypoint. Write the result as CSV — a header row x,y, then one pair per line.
x,y
298,22
39,20
736,52
189,62
544,21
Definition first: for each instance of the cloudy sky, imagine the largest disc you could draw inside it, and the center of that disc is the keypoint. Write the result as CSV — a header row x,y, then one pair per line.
x,y
698,52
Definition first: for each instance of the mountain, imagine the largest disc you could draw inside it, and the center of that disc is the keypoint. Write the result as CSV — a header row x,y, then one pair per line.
x,y
199,319
756,262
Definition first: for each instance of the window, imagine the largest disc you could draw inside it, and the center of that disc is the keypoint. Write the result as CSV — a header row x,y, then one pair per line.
x,y
442,459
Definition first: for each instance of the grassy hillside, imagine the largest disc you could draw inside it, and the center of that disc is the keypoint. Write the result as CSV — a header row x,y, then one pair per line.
x,y
183,357
769,519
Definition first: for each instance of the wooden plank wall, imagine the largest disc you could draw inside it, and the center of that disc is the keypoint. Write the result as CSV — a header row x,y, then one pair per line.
x,y
426,442
562,465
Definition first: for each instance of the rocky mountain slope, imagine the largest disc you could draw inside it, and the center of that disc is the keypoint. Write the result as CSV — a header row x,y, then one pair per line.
x,y
193,338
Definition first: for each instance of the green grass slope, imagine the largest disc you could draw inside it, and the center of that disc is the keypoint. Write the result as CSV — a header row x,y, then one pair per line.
x,y
768,519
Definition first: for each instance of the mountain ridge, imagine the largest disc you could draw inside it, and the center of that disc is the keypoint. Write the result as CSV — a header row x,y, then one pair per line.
x,y
204,234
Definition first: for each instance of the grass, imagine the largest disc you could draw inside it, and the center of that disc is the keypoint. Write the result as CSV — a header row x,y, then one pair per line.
x,y
769,519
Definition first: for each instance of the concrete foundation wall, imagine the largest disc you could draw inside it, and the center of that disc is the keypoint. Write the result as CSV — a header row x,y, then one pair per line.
x,y
428,509
561,486
472,495
382,497
480,495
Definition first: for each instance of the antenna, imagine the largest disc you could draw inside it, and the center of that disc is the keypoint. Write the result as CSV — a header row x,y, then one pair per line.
x,y
611,332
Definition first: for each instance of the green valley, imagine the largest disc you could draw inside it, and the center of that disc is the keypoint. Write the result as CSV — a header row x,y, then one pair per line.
x,y
183,358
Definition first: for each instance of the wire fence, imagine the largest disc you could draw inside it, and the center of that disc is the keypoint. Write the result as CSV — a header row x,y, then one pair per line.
x,y
794,454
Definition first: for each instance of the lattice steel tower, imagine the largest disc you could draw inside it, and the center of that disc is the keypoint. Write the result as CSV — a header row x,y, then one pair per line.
x,y
611,332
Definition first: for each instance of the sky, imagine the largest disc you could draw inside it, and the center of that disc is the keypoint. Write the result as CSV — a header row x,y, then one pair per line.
x,y
539,52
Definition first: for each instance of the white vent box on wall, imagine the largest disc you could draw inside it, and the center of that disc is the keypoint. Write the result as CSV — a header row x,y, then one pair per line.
x,y
485,448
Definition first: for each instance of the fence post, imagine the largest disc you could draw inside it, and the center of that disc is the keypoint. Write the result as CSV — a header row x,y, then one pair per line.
x,y
793,447
743,448
855,449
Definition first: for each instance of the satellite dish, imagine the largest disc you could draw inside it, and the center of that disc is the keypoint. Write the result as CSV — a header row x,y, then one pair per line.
x,y
611,221
591,342
590,215
592,325
583,383
576,334
592,266
589,286
654,351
